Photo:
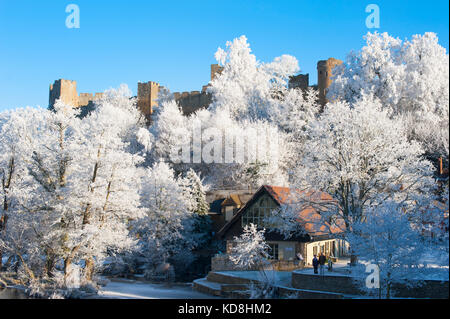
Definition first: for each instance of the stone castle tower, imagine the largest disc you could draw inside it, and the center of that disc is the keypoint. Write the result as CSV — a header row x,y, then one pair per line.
x,y
147,97
215,70
66,91
324,75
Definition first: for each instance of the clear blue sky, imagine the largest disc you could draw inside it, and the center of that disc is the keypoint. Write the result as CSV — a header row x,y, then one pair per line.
x,y
173,42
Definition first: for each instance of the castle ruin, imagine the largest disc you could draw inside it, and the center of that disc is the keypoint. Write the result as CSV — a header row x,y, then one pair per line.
x,y
300,81
147,93
324,75
66,91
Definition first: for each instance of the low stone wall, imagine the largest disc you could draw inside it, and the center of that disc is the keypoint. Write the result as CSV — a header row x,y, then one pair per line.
x,y
238,287
336,284
228,279
346,285
286,265
223,263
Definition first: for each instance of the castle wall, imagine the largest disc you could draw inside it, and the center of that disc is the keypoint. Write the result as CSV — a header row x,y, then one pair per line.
x,y
85,98
191,102
300,81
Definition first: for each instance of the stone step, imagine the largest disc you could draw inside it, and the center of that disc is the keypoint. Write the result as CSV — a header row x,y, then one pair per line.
x,y
208,287
220,289
223,278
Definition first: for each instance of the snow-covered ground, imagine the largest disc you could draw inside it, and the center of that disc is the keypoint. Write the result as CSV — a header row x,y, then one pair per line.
x,y
131,289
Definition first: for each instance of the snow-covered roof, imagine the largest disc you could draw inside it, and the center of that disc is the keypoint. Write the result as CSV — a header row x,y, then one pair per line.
x,y
311,220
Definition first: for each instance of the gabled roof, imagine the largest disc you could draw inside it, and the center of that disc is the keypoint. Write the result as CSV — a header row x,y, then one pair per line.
x,y
232,200
309,217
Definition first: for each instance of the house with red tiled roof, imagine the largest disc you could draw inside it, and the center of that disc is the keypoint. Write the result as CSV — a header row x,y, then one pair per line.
x,y
224,206
318,234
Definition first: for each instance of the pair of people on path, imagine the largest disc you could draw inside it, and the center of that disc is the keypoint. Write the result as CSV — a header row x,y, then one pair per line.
x,y
319,263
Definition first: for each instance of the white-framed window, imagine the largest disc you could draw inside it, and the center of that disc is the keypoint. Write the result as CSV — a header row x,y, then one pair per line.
x,y
258,212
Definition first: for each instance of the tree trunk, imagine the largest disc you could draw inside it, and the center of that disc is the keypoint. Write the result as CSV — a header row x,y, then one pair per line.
x,y
50,265
27,269
68,261
89,268
9,261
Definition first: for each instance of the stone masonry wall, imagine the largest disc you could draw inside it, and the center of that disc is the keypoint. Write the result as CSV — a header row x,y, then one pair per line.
x,y
347,285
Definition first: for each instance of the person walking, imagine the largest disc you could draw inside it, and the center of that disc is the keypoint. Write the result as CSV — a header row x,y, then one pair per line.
x,y
315,263
322,260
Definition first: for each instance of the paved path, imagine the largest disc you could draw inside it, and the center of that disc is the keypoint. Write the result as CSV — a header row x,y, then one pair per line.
x,y
131,289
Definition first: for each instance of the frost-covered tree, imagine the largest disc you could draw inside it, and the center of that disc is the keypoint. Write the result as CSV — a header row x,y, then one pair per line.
x,y
250,249
388,239
246,87
82,191
164,230
106,177
17,132
169,130
409,77
434,226
360,156
252,108
225,151
196,192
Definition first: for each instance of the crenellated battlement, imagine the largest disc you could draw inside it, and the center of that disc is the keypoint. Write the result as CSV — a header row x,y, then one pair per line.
x,y
66,90
192,101
147,95
85,98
